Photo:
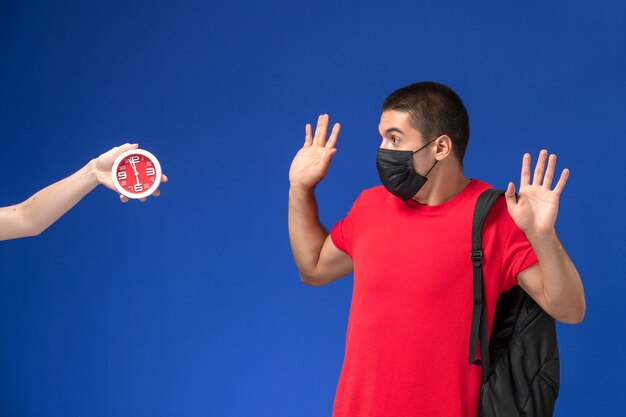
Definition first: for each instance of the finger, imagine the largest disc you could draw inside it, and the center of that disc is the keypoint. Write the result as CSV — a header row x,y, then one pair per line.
x,y
143,200
308,136
561,184
332,141
547,180
540,167
509,195
321,130
525,177
123,199
156,193
329,154
127,146
164,178
118,150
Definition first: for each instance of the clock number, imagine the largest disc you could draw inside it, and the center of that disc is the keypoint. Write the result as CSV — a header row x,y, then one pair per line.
x,y
138,188
150,171
121,175
134,159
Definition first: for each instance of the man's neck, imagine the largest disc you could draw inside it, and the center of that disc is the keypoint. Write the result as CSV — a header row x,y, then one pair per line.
x,y
442,188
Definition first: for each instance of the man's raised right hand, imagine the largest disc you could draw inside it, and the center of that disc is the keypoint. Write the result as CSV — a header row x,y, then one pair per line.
x,y
311,162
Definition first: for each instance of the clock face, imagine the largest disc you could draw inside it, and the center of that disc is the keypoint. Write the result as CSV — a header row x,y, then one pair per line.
x,y
136,173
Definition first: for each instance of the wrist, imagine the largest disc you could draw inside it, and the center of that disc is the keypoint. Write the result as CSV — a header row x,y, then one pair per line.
x,y
299,188
91,173
541,236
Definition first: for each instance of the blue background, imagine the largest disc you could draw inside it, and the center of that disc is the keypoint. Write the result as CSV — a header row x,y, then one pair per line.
x,y
190,304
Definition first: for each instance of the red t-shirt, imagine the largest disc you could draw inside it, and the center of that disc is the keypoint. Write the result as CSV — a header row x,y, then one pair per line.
x,y
407,341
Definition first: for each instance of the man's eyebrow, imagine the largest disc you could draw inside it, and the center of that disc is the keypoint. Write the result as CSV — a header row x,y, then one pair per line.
x,y
393,129
390,130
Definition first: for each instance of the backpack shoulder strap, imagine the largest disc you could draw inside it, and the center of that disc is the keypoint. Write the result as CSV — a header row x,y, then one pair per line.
x,y
479,317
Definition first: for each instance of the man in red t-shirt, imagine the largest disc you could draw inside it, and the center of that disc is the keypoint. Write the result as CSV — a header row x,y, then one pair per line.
x,y
408,243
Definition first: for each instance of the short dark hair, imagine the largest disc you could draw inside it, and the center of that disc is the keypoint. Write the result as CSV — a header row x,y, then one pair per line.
x,y
435,110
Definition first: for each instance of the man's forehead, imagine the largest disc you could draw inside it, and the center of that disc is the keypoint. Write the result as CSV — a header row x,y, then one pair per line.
x,y
394,120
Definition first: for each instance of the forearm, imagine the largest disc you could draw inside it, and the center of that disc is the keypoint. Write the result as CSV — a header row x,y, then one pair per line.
x,y
306,234
48,205
562,286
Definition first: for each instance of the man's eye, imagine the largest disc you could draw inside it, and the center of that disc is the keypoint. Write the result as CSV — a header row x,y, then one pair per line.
x,y
395,140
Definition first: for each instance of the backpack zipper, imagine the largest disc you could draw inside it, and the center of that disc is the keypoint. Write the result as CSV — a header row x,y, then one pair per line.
x,y
526,324
549,382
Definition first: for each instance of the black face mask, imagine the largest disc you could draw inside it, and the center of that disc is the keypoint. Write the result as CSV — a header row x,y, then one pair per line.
x,y
395,169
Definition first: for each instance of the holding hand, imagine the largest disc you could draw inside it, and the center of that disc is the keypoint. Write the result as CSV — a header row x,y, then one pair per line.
x,y
535,209
311,163
33,216
104,164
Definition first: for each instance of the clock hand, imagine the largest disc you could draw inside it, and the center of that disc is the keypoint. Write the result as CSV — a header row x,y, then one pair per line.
x,y
132,164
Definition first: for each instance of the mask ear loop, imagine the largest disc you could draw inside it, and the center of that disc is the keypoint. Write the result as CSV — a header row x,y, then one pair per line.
x,y
414,152
431,168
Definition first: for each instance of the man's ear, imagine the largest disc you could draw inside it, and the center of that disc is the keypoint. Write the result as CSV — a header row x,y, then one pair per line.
x,y
444,147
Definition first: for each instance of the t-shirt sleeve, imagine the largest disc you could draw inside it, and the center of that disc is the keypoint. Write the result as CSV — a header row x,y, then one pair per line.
x,y
342,233
518,254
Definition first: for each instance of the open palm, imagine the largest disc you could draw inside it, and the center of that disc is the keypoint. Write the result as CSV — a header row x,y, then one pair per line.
x,y
311,162
535,209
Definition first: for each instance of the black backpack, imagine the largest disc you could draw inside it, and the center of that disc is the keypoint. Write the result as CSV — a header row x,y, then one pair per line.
x,y
521,362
